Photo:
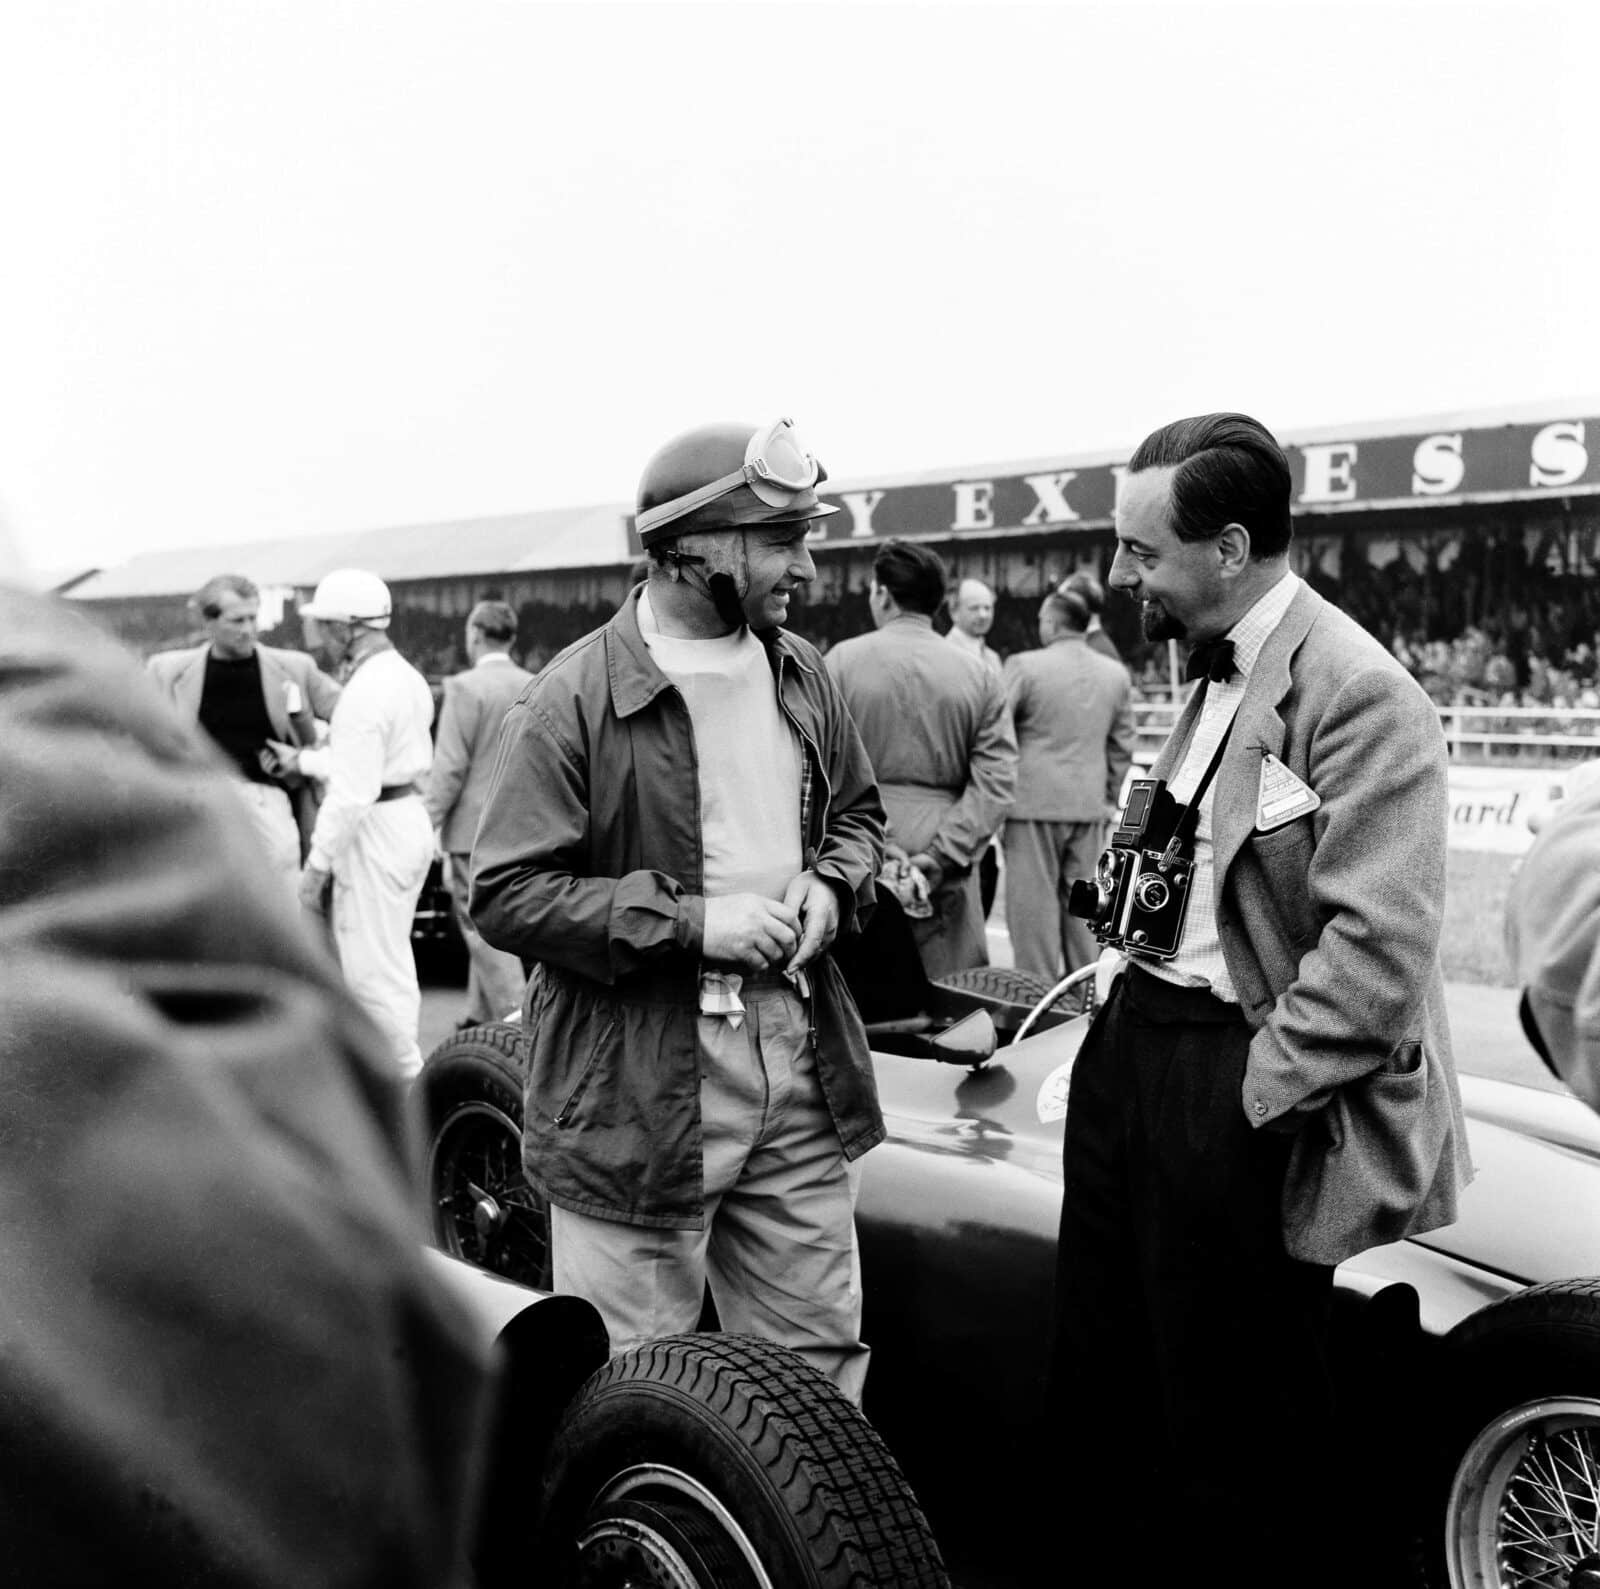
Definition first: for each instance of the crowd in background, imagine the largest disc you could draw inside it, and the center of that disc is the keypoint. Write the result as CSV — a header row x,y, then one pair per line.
x,y
1509,619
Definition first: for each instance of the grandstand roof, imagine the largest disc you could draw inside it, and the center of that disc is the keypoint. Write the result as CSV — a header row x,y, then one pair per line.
x,y
556,538
596,536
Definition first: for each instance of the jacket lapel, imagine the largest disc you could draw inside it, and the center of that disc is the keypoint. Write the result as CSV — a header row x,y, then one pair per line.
x,y
274,676
1258,731
189,684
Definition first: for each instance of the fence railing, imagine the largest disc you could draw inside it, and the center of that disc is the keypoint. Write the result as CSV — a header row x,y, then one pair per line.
x,y
1528,736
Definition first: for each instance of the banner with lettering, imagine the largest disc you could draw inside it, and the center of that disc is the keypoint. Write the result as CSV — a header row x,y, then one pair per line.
x,y
1550,458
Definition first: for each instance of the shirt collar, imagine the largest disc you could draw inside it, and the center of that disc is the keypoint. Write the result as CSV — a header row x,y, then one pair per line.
x,y
1252,630
492,656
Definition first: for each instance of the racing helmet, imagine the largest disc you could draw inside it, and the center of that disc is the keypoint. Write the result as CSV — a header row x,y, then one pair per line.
x,y
724,477
350,595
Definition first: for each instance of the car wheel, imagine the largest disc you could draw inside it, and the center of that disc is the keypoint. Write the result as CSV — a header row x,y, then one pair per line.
x,y
726,1462
1524,1498
484,1211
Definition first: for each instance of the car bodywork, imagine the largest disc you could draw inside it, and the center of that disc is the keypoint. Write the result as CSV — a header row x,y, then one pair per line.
x,y
958,1216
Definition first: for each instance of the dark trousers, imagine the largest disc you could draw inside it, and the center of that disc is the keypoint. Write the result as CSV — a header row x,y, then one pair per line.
x,y
988,878
1190,1390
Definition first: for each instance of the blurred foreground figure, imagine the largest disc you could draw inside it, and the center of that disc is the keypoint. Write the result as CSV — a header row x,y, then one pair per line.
x,y
373,842
681,821
1553,940
222,1361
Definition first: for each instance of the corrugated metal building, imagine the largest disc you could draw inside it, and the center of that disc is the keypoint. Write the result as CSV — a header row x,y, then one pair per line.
x,y
1418,527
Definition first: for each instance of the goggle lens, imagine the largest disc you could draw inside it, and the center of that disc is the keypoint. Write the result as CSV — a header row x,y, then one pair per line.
x,y
776,455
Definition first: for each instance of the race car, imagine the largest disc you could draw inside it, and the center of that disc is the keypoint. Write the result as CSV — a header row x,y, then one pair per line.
x,y
1471,1354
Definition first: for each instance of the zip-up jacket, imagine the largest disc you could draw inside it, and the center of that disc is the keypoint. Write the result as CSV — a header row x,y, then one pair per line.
x,y
588,861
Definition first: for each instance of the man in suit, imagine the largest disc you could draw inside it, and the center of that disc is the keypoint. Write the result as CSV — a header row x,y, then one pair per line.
x,y
971,619
463,759
1073,713
934,721
243,694
1279,1094
1082,584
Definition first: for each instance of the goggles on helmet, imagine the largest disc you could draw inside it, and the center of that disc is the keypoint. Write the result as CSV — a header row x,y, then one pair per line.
x,y
777,469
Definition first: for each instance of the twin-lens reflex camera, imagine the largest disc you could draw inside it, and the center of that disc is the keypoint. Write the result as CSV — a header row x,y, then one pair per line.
x,y
1141,882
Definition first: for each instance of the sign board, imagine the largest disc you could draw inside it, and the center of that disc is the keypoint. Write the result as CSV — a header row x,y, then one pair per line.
x,y
1489,463
1491,807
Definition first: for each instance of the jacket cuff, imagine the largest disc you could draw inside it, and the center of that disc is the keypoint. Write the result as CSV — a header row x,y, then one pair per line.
x,y
689,929
845,894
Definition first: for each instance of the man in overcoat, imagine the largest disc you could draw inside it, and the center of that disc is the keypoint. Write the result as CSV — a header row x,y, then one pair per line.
x,y
1278,1094
934,720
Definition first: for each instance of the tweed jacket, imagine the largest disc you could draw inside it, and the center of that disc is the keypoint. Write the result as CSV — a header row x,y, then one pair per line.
x,y
465,747
182,674
1073,710
1330,928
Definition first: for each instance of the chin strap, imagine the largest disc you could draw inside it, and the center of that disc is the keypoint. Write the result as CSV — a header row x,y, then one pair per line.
x,y
725,590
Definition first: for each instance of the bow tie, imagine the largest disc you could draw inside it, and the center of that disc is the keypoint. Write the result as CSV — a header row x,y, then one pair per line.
x,y
1211,659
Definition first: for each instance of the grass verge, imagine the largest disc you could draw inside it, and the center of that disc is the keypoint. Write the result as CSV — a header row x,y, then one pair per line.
x,y
1473,944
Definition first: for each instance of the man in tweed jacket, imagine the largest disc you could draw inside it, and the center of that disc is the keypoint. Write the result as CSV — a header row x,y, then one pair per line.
x,y
243,693
1278,1094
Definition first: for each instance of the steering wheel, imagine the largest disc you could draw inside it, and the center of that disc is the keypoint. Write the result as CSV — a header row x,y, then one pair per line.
x,y
1084,974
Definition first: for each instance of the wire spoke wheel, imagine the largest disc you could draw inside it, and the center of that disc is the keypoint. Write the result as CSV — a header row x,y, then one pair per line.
x,y
1524,1509
658,1528
484,1209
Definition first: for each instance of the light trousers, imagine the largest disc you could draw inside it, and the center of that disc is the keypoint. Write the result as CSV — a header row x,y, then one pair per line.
x,y
1042,860
495,982
376,884
778,1246
272,814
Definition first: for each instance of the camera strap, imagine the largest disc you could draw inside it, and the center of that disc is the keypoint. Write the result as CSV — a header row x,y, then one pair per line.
x,y
1189,818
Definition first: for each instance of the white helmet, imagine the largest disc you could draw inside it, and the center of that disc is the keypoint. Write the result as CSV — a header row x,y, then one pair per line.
x,y
350,595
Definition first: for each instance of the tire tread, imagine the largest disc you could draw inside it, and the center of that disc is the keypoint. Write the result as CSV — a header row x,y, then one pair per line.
x,y
846,1496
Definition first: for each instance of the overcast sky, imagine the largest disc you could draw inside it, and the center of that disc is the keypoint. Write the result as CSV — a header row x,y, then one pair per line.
x,y
299,266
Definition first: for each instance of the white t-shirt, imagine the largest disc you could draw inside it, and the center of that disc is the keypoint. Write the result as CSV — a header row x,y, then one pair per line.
x,y
748,754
